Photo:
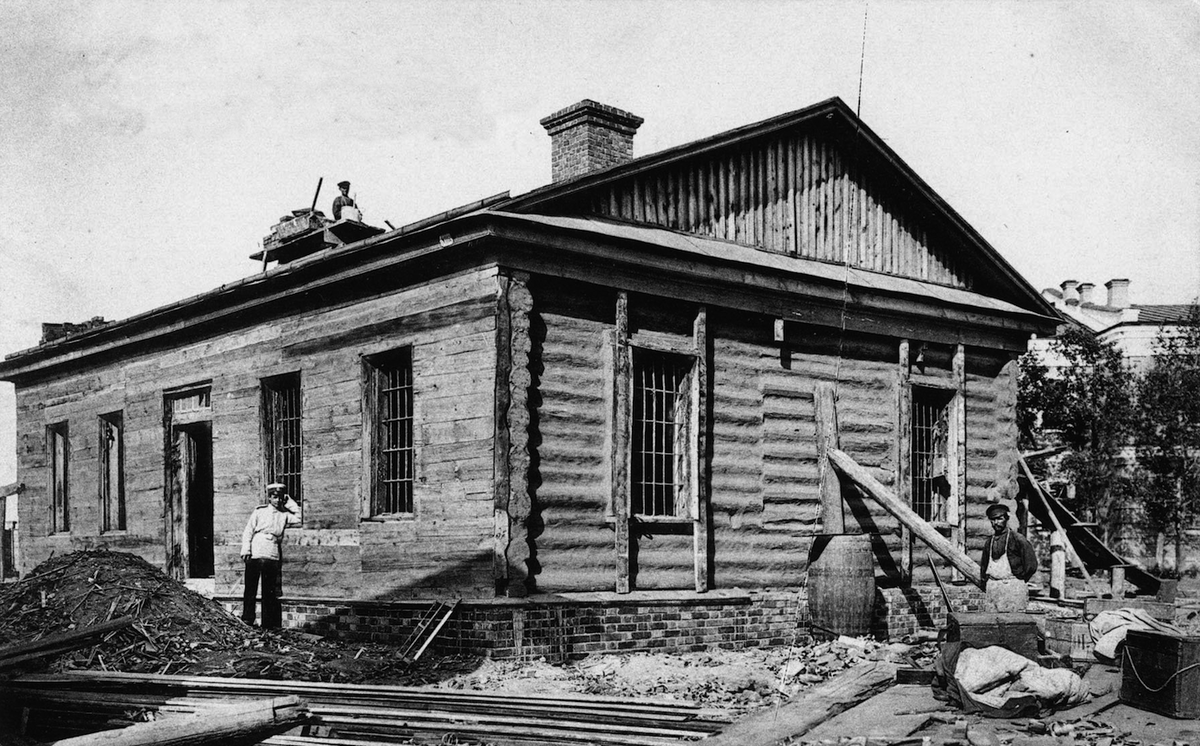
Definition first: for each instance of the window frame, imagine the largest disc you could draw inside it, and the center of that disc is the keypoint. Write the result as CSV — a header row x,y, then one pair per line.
x,y
107,423
60,500
375,368
684,453
273,388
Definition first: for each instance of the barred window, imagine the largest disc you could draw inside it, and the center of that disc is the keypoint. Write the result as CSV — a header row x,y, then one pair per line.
x,y
112,472
931,451
60,503
662,458
282,435
389,409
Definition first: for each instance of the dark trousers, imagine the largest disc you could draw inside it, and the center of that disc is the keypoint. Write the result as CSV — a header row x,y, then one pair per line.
x,y
268,571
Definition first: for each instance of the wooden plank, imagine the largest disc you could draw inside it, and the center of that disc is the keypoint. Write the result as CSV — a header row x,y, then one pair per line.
x,y
871,487
833,517
810,708
622,382
237,723
12,655
699,483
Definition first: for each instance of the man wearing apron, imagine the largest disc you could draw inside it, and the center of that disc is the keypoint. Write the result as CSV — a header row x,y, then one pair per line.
x,y
1007,562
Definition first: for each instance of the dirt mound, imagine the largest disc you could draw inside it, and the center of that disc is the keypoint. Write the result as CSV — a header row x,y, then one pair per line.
x,y
178,631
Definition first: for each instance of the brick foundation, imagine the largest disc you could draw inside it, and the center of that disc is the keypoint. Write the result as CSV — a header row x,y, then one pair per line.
x,y
571,625
902,611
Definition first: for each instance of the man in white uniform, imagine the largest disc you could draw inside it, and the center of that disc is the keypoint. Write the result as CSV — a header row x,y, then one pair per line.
x,y
261,542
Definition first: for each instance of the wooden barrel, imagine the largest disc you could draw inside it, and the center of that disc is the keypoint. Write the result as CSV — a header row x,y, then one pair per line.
x,y
841,585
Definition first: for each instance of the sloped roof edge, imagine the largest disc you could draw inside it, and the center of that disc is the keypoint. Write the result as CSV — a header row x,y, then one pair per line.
x,y
372,254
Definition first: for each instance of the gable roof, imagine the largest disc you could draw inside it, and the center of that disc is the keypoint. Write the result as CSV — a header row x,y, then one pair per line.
x,y
831,115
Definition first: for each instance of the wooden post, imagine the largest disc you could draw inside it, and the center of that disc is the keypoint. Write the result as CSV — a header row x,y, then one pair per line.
x,y
1058,565
833,516
874,489
1116,580
699,482
622,382
904,452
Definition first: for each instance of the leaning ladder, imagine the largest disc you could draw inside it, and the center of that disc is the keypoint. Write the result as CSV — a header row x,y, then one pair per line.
x,y
436,617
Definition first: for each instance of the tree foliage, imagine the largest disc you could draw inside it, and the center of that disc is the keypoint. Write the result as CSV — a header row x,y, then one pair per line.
x,y
1088,403
1168,427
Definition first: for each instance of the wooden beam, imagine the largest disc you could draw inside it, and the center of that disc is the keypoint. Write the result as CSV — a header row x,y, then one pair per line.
x,y
874,489
698,445
833,515
622,383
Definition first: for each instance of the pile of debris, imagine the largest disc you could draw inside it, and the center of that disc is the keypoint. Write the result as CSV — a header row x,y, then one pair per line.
x,y
171,629
736,681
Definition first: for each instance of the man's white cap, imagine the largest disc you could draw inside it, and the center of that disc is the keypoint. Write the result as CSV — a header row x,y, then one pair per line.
x,y
276,486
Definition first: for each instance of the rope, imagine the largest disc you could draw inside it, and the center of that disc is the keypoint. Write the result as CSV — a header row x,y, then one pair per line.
x,y
1147,687
837,371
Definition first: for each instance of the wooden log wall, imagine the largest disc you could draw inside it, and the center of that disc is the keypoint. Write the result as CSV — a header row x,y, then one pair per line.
x,y
764,474
799,193
446,548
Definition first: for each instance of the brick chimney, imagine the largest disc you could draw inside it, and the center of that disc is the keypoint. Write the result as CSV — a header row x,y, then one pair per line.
x,y
1085,292
1070,293
589,136
1118,293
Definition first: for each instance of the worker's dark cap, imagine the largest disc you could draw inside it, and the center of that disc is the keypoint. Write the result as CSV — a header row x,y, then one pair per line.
x,y
343,183
996,509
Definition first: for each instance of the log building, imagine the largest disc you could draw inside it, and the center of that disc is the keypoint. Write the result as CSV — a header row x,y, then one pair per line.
x,y
593,412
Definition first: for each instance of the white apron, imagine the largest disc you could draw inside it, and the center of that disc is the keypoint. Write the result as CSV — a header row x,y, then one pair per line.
x,y
1005,592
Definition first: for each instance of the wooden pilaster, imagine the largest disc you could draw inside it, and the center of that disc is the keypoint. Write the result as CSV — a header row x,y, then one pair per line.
x,y
699,486
622,382
959,462
904,452
512,503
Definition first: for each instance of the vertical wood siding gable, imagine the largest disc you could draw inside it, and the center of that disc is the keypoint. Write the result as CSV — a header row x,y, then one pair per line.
x,y
802,194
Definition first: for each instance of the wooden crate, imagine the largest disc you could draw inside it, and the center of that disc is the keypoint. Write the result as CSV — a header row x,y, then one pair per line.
x,y
1014,631
1161,673
1070,637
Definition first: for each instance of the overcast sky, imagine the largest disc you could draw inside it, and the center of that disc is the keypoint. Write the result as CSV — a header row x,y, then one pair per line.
x,y
148,147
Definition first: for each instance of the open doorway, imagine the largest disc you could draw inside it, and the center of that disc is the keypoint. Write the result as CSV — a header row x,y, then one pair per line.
x,y
189,508
195,475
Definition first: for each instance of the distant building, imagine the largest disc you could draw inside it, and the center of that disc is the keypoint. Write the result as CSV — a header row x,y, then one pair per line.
x,y
1133,328
588,411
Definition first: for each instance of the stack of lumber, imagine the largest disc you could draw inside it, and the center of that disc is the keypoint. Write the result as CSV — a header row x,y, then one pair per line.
x,y
346,714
